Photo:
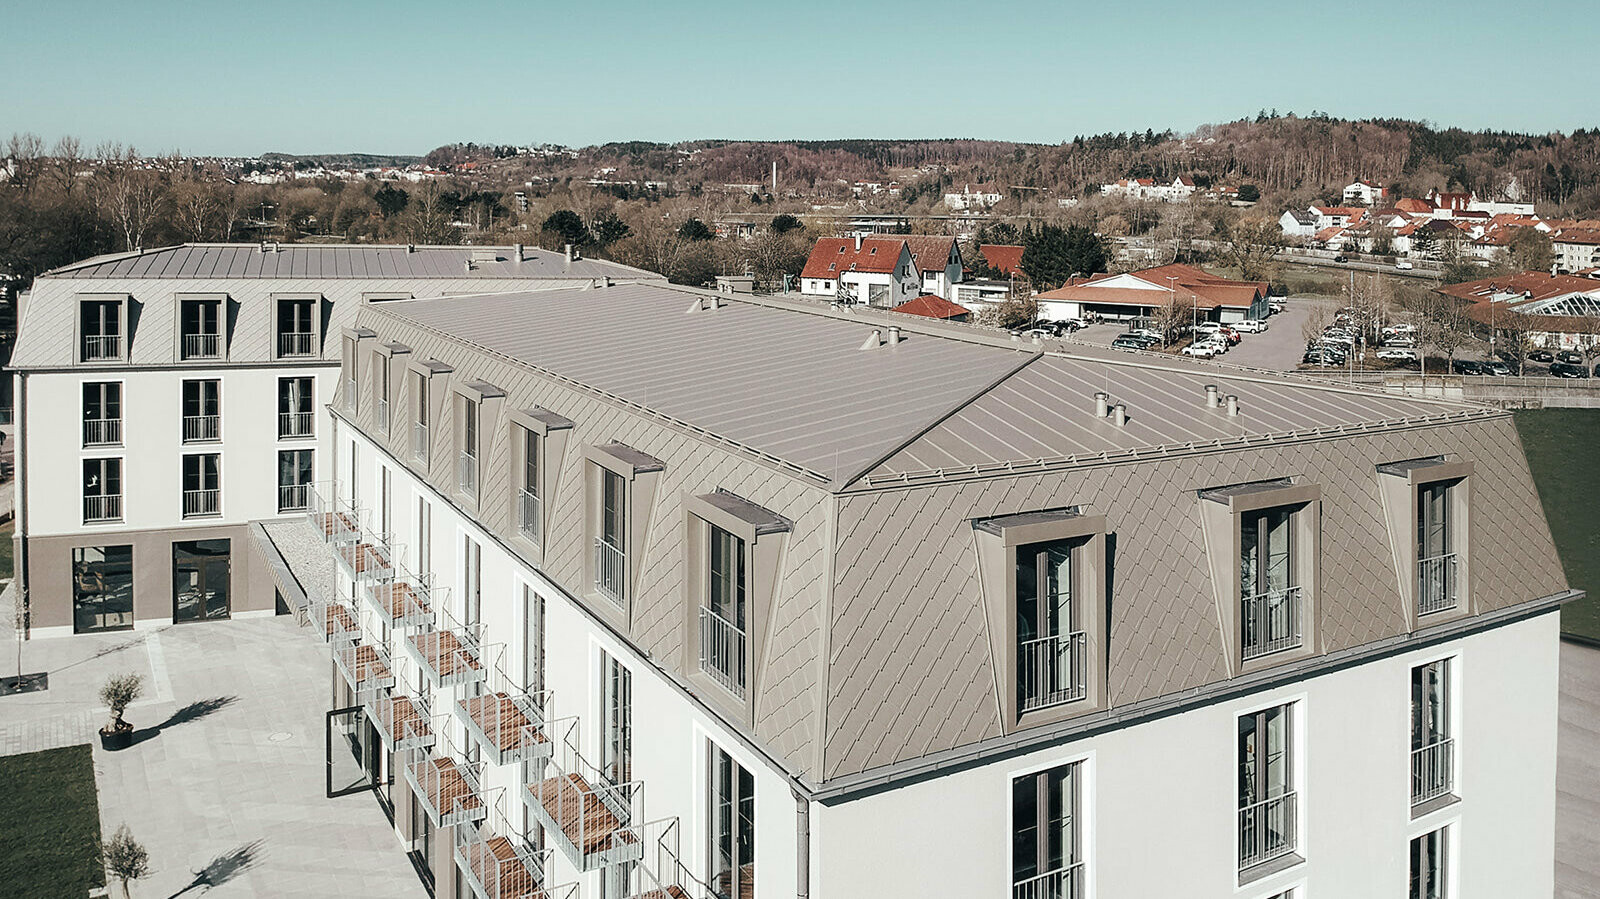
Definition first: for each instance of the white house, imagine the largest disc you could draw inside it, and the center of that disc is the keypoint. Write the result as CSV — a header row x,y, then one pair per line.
x,y
872,271
1576,249
1364,193
1181,189
970,199
1298,223
938,262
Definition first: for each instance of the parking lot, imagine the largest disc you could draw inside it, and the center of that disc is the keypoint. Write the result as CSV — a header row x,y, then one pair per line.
x,y
1278,348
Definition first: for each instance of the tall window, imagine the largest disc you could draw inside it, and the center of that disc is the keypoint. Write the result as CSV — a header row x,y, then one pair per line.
x,y
200,327
733,827
1270,611
347,373
102,413
421,851
472,580
202,411
1267,815
1051,646
530,505
424,538
1046,840
297,327
1428,863
294,480
1432,742
532,640
616,720
467,460
419,421
1436,562
723,642
610,555
385,506
202,485
102,490
294,407
100,330
102,588
380,389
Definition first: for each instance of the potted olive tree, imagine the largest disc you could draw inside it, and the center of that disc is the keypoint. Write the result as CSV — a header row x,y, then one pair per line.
x,y
119,691
125,859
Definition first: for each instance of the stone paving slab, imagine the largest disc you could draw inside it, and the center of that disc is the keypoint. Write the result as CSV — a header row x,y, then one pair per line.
x,y
225,784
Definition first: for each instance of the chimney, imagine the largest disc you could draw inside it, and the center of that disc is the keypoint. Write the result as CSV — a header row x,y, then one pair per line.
x,y
874,340
1101,403
894,335
516,252
1233,404
858,243
1119,415
1211,396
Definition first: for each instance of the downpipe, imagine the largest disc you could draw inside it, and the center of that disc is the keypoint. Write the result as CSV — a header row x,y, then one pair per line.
x,y
802,843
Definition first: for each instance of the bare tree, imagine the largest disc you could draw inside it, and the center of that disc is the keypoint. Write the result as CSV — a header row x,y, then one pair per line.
x,y
26,152
199,211
428,216
1253,247
1175,315
129,192
67,160
1588,343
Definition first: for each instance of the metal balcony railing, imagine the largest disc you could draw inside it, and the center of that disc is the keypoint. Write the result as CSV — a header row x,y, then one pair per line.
x,y
467,473
102,431
1270,622
368,559
1267,829
332,619
661,872
448,788
1066,882
507,723
531,515
294,497
1433,771
199,503
202,346
401,720
294,424
610,564
449,656
1052,670
101,348
593,821
365,667
106,507
406,602
296,343
202,428
722,651
333,519
419,441
496,863
1436,584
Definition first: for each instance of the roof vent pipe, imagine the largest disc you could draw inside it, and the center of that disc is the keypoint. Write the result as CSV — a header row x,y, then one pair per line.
x,y
1212,399
1102,401
894,335
516,252
873,340
569,252
411,248
1233,404
276,248
263,246
858,243
1119,414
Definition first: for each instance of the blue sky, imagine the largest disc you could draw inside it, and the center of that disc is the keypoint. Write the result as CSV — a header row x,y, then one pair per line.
x,y
403,77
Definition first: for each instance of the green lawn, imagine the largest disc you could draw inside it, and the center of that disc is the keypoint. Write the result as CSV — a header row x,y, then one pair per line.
x,y
1561,445
49,824
5,548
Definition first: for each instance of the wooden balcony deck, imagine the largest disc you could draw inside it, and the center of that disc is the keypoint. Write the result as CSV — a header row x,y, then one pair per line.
x,y
368,558
501,872
671,892
401,716
369,668
446,790
504,723
330,523
399,603
337,620
581,814
446,656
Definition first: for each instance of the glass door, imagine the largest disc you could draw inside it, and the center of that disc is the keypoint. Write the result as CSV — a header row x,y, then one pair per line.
x,y
200,580
354,756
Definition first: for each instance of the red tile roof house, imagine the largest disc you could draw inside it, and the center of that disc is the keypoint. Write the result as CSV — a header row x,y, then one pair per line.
x,y
1141,293
1003,258
936,307
938,261
1561,307
873,271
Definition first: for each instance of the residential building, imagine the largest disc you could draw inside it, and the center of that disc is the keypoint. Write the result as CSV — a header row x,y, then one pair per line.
x,y
1562,309
1298,223
1142,293
1180,189
870,271
938,261
935,307
1003,258
973,199
1576,249
169,398
774,613
978,294
1364,193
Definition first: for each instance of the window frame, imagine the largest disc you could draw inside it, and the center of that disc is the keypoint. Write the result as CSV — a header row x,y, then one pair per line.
x,y
738,801
121,302
287,392
203,476
186,301
281,301
1450,711
1079,855
202,401
121,494
547,432
639,474
1293,708
1399,486
297,453
105,389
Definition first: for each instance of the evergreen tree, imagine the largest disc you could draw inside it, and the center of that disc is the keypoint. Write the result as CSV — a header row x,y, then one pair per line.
x,y
1053,254
566,225
694,229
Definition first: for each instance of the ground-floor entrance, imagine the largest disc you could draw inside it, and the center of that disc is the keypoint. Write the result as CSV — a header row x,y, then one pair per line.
x,y
200,577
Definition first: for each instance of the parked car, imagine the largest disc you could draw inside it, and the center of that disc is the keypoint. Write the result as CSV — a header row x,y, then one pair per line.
x,y
1125,342
1467,367
1321,357
1397,355
1073,324
1036,333
1344,337
1541,356
1250,326
1203,350
1274,307
1149,333
1569,357
1404,266
1497,368
1568,370
1341,258
1399,340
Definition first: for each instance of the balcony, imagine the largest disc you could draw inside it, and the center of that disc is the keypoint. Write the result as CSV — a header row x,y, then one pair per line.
x,y
332,518
591,820
530,518
496,863
1063,883
1270,622
102,348
296,343
294,497
419,441
467,473
333,620
202,428
294,424
1436,584
365,667
401,721
107,507
405,603
1433,771
661,873
1267,830
722,652
449,791
610,564
102,431
447,657
508,724
1052,670
202,503
367,560
202,346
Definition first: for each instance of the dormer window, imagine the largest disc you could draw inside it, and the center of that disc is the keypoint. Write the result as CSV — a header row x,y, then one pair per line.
x,y
101,326
873,251
200,329
296,327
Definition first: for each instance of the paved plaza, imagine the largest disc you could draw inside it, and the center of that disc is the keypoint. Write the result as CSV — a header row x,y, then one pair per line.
x,y
225,782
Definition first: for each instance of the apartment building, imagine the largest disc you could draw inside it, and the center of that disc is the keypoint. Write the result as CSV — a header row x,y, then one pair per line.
x,y
735,597
168,398
870,271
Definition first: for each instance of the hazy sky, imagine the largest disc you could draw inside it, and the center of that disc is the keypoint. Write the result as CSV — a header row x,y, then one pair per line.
x,y
237,78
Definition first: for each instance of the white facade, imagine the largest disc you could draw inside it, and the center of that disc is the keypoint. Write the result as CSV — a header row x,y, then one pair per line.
x,y
1363,193
1576,254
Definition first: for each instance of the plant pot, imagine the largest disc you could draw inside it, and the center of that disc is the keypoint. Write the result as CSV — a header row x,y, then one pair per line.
x,y
120,738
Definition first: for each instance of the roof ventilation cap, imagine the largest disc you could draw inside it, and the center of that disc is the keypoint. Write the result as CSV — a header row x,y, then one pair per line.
x,y
1212,399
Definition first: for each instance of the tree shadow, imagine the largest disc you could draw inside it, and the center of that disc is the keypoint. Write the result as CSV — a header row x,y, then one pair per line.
x,y
194,711
223,868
